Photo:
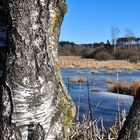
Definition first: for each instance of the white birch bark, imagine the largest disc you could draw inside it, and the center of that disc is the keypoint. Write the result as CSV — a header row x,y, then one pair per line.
x,y
35,104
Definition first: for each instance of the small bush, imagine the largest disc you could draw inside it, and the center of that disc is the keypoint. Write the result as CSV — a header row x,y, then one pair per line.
x,y
87,53
103,56
122,54
133,59
125,54
100,54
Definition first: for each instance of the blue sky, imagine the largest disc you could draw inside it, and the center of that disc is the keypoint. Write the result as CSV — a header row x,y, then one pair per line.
x,y
89,21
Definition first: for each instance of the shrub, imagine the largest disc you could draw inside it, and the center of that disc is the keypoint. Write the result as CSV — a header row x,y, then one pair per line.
x,y
87,53
122,54
133,59
98,54
125,54
103,56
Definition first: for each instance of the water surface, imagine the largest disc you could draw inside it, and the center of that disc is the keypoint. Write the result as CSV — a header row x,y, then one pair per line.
x,y
103,103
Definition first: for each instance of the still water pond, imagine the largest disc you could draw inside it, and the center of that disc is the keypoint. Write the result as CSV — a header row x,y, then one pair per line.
x,y
104,103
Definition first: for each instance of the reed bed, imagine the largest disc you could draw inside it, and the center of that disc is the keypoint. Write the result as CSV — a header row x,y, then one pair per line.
x,y
91,131
95,130
125,88
78,62
78,80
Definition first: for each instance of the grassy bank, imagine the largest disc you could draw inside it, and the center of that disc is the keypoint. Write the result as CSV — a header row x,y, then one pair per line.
x,y
78,62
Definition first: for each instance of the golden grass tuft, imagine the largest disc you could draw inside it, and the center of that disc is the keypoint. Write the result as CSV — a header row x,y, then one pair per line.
x,y
125,88
78,80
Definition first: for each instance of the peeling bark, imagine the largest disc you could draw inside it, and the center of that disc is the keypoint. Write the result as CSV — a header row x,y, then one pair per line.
x,y
35,104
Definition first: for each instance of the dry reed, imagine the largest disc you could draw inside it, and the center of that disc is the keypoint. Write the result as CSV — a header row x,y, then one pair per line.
x,y
78,80
78,62
95,130
89,129
125,88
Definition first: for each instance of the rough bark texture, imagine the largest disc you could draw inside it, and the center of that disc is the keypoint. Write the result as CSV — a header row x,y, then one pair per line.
x,y
131,128
34,101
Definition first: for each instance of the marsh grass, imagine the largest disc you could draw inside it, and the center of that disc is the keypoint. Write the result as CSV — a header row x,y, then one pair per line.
x,y
78,62
79,80
83,131
125,88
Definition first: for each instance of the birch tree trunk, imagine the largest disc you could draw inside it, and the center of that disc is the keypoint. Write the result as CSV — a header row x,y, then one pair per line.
x,y
131,128
35,104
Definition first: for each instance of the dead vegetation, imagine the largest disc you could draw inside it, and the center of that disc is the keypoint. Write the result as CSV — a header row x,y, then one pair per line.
x,y
78,62
89,129
125,88
78,80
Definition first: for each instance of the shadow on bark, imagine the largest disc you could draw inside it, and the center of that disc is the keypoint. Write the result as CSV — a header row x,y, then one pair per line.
x,y
131,128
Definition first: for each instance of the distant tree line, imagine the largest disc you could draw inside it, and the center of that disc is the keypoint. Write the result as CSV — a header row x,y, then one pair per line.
x,y
120,48
70,48
124,49
125,41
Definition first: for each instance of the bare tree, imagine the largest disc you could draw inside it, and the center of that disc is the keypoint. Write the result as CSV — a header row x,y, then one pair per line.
x,y
114,34
129,34
35,104
137,40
